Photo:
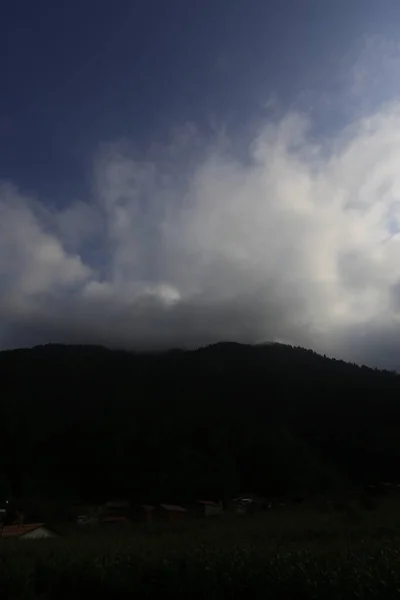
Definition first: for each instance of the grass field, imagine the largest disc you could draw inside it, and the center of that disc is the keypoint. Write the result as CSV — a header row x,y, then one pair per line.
x,y
301,552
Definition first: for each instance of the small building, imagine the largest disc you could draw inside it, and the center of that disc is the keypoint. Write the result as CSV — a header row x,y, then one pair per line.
x,y
116,507
113,520
143,513
113,512
84,512
171,512
209,508
147,511
31,531
246,504
85,520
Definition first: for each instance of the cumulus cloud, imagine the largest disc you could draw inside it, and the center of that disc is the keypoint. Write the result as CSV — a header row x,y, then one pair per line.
x,y
299,242
33,262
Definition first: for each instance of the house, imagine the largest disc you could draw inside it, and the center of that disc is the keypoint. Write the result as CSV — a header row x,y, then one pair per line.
x,y
247,504
147,510
84,512
113,520
31,531
85,520
117,508
209,508
171,512
113,512
142,513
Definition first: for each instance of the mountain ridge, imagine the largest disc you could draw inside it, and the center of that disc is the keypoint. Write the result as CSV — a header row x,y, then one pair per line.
x,y
89,421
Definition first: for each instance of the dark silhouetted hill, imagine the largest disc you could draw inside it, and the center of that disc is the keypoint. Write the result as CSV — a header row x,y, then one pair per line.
x,y
85,422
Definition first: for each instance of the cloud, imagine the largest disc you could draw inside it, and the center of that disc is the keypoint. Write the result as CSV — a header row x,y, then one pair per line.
x,y
300,242
33,262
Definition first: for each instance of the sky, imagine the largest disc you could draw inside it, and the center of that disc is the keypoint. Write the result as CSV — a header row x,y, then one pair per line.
x,y
180,173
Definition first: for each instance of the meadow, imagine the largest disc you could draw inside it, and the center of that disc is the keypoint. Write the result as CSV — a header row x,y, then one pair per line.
x,y
300,552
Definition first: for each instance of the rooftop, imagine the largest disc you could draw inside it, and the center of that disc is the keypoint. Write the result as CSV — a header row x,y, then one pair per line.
x,y
18,530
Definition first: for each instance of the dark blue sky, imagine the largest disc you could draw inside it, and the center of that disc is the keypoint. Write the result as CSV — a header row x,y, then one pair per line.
x,y
125,226
76,74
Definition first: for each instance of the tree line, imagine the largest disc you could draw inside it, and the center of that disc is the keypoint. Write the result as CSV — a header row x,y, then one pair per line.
x,y
86,424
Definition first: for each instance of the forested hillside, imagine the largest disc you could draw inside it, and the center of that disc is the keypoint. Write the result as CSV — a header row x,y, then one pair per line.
x,y
87,423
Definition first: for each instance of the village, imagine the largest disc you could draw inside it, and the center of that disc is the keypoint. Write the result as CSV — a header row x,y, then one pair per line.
x,y
122,515
116,515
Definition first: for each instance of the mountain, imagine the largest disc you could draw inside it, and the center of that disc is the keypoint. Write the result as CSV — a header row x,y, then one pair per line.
x,y
86,422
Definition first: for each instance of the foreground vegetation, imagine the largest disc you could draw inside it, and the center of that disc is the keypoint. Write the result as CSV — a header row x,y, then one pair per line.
x,y
303,552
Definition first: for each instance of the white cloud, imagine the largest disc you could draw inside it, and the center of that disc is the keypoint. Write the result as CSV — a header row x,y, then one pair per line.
x,y
33,262
301,242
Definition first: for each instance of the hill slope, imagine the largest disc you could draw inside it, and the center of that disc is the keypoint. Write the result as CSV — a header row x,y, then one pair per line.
x,y
84,422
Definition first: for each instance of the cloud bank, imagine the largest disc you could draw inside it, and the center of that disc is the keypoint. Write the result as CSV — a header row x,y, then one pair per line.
x,y
299,242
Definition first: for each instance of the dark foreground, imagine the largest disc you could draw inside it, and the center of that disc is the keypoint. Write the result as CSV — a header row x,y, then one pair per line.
x,y
304,552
